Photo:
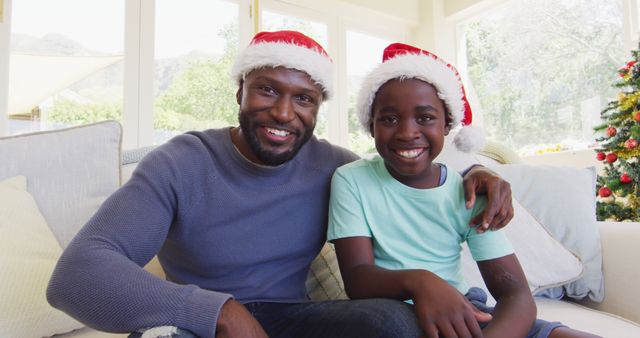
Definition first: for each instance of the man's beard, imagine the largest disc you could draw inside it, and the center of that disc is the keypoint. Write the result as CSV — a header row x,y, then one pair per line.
x,y
265,156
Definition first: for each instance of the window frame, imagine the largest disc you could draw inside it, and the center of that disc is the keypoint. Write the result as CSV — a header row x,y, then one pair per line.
x,y
139,46
454,23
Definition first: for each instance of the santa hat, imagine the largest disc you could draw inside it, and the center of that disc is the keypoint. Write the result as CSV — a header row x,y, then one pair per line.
x,y
287,49
401,61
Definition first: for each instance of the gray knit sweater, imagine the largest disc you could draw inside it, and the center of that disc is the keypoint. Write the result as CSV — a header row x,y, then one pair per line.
x,y
221,226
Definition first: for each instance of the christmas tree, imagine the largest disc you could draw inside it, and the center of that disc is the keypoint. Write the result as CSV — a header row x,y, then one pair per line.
x,y
619,183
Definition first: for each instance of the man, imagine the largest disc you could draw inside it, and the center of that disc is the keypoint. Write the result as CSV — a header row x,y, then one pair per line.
x,y
235,216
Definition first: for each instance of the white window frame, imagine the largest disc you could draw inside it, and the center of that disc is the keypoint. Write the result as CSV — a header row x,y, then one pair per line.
x,y
340,17
137,109
5,34
453,23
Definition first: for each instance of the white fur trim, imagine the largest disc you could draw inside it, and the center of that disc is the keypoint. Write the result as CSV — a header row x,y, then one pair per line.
x,y
159,332
289,55
412,66
469,139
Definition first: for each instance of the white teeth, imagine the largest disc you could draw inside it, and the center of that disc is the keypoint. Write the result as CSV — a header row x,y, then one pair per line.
x,y
413,153
278,132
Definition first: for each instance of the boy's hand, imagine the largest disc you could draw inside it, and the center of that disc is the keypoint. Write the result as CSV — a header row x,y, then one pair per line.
x,y
443,312
499,210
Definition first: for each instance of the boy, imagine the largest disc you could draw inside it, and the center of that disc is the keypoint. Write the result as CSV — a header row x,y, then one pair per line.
x,y
388,244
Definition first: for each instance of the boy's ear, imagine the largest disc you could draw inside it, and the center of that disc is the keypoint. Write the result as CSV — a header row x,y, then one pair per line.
x,y
371,129
447,129
239,92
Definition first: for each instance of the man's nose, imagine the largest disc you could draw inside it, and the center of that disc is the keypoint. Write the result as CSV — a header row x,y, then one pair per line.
x,y
283,110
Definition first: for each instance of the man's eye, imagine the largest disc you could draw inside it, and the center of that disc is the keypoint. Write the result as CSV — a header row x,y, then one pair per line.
x,y
268,89
305,98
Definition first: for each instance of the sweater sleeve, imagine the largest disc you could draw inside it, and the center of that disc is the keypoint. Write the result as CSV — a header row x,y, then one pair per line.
x,y
99,279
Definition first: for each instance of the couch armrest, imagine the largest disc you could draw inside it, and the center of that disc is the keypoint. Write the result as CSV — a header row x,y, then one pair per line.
x,y
620,254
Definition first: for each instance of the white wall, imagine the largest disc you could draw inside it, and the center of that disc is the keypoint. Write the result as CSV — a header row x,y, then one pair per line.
x,y
405,9
4,65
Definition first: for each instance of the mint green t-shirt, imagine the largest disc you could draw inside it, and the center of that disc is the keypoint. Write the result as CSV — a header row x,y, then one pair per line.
x,y
410,228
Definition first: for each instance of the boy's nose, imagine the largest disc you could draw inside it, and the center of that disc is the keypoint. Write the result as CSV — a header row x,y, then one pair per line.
x,y
407,130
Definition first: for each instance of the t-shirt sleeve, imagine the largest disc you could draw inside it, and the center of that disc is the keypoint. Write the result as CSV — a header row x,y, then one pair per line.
x,y
346,215
490,244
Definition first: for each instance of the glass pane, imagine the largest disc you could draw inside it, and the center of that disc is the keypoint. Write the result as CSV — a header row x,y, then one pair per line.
x,y
66,63
196,44
543,70
272,21
364,52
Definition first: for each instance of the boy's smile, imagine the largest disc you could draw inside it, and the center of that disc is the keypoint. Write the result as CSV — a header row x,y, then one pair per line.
x,y
409,125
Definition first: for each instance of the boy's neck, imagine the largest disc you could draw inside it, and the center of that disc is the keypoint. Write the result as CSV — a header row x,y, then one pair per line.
x,y
425,180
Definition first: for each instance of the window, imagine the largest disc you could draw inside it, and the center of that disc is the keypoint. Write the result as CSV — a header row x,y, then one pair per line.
x,y
540,72
364,52
161,67
196,44
273,21
66,66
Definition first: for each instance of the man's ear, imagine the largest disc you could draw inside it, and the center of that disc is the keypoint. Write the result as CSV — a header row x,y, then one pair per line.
x,y
239,92
371,129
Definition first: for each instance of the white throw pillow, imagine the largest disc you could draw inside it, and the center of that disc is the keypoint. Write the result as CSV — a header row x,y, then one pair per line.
x,y
545,261
563,200
28,254
70,172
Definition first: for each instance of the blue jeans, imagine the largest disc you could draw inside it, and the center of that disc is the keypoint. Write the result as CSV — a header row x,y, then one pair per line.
x,y
366,318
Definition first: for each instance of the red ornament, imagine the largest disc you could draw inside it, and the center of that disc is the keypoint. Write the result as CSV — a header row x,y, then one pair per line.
x,y
626,68
611,157
601,156
630,143
625,178
636,116
604,192
611,131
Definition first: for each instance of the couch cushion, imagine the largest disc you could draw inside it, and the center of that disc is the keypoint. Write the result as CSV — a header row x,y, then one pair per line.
x,y
70,172
545,261
563,200
28,254
586,319
324,281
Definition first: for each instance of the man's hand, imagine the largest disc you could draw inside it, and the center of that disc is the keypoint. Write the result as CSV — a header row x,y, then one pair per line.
x,y
236,321
499,210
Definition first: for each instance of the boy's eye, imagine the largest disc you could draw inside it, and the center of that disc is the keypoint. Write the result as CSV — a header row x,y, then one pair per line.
x,y
424,118
388,120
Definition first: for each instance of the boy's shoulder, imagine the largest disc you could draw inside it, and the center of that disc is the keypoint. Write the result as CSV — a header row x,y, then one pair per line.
x,y
363,164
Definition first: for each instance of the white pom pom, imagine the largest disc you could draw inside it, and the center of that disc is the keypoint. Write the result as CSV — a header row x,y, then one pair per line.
x,y
469,139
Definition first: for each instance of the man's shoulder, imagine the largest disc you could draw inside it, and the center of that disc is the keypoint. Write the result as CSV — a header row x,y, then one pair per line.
x,y
321,153
186,148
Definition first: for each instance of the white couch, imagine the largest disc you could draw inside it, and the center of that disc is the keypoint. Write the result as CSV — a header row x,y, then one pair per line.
x,y
89,159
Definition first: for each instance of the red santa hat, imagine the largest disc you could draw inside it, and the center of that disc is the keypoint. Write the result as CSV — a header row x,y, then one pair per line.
x,y
401,61
287,49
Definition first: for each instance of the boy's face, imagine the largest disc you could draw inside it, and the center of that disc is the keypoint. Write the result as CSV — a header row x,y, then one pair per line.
x,y
409,126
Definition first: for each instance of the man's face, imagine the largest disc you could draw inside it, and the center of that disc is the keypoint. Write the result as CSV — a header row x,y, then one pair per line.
x,y
409,125
278,110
